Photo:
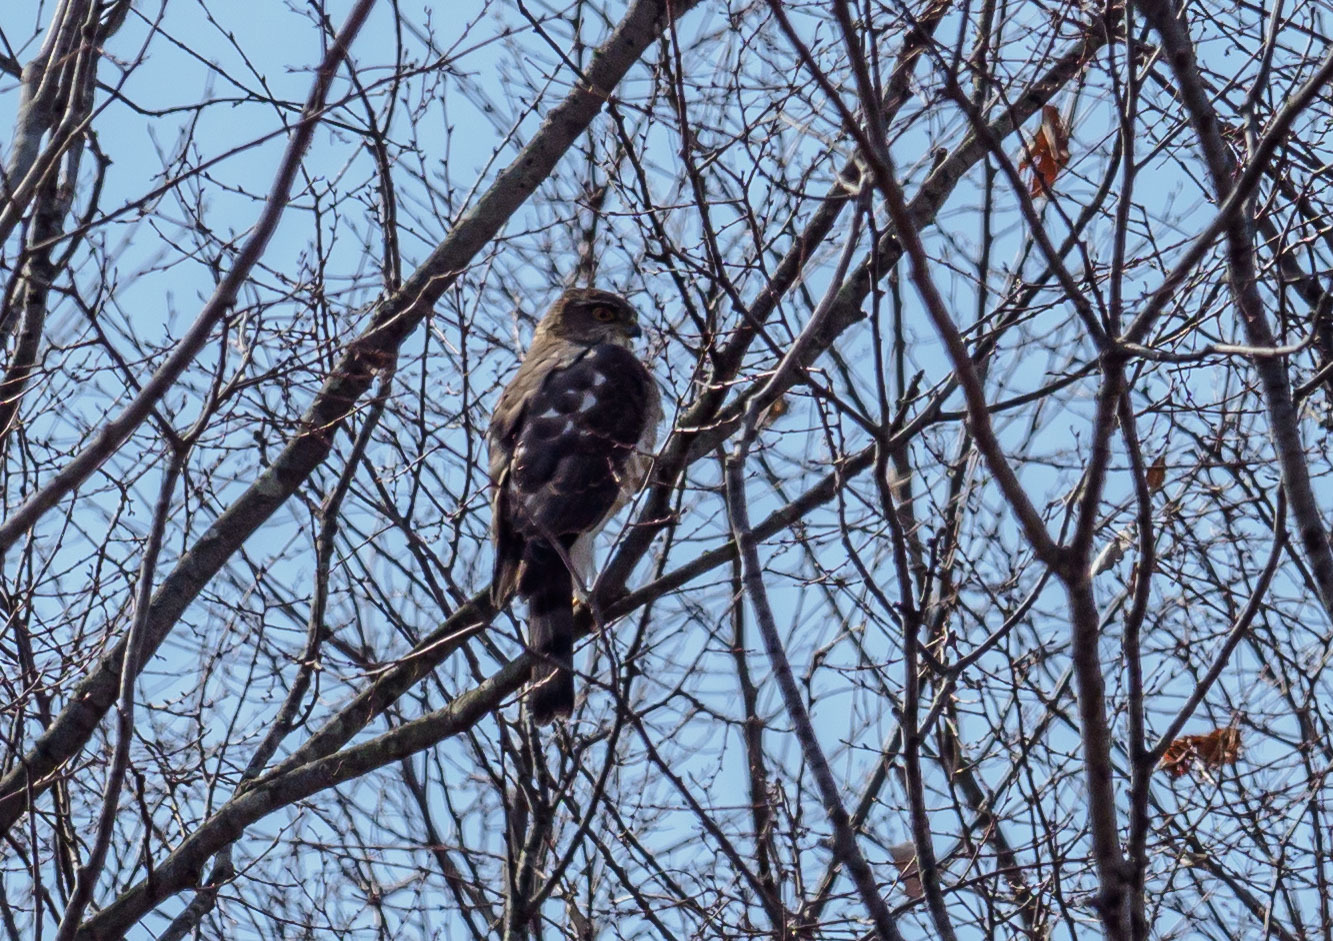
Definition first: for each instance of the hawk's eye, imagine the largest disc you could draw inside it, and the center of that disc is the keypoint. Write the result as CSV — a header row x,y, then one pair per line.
x,y
604,314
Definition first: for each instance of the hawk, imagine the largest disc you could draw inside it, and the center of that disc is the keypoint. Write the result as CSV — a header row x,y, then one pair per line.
x,y
570,441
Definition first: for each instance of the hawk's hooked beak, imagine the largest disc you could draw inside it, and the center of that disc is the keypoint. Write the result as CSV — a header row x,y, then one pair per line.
x,y
634,331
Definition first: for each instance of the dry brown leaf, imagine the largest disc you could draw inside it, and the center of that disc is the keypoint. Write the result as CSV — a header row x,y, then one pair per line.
x,y
1212,750
775,411
904,857
1156,474
1048,152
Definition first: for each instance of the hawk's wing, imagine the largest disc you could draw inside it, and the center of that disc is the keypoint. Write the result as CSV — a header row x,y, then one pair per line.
x,y
565,446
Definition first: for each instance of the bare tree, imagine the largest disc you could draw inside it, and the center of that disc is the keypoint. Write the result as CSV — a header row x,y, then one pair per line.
x,y
982,587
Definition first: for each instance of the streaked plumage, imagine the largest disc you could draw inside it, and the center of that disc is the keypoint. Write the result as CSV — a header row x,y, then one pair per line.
x,y
570,441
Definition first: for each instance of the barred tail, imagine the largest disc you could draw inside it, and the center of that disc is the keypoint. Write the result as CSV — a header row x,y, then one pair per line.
x,y
546,584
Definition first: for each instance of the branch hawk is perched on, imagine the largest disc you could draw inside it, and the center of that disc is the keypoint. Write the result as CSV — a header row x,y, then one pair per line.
x,y
570,441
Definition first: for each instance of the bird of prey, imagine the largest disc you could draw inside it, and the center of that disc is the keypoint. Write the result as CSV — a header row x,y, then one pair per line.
x,y
570,441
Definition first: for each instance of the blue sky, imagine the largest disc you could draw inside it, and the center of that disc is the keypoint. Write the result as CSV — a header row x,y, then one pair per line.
x,y
160,288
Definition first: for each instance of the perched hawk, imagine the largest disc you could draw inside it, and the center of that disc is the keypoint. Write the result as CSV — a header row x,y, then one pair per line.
x,y
570,441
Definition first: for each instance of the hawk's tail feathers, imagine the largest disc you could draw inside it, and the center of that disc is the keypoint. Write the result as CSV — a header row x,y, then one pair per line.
x,y
546,584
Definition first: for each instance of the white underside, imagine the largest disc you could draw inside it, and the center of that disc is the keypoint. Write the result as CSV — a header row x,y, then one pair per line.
x,y
581,556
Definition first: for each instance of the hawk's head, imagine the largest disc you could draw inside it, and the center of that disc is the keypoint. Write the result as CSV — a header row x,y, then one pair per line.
x,y
587,315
